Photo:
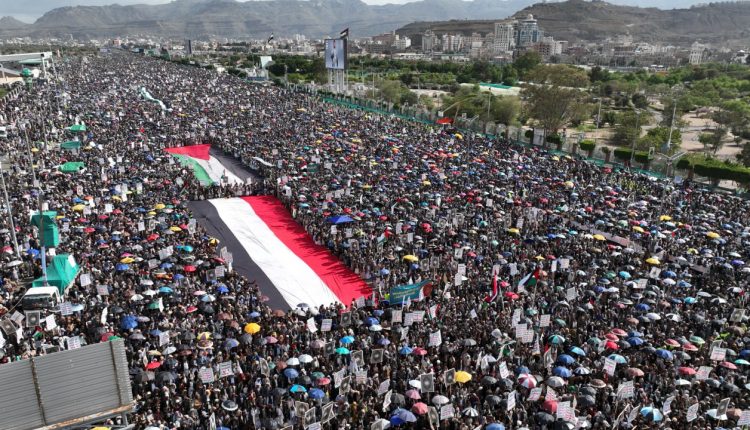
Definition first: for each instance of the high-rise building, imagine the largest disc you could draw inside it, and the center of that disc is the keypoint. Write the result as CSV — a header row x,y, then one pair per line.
x,y
504,40
430,41
527,32
453,43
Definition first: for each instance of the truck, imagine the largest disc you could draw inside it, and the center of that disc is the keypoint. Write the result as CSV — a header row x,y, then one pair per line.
x,y
61,275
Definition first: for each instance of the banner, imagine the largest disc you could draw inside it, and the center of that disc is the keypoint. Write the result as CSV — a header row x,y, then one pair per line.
x,y
401,293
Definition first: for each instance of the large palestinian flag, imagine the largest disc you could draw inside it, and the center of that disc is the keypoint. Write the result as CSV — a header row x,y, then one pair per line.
x,y
209,166
268,246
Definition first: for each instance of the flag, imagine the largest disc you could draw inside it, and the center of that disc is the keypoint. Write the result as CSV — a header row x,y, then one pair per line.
x,y
529,280
209,166
344,33
491,298
270,38
270,247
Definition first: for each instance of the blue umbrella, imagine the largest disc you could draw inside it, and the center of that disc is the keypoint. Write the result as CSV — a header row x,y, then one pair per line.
x,y
635,341
346,340
635,333
652,414
121,267
642,307
396,421
578,351
316,393
253,314
619,359
155,332
166,265
495,426
664,354
562,372
222,289
625,275
339,219
385,272
129,322
384,341
669,274
521,370
690,300
178,276
405,350
405,415
565,359
165,290
231,343
291,373
371,321
298,389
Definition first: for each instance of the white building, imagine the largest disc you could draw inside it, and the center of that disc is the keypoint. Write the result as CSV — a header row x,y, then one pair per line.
x,y
401,43
697,53
504,40
453,43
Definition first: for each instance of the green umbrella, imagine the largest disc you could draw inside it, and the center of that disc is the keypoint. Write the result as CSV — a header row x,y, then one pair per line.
x,y
697,340
77,128
342,351
73,144
556,339
71,166
594,341
560,322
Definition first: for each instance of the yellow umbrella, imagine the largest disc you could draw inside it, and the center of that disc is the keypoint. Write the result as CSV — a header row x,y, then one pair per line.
x,y
653,261
426,183
301,110
34,149
638,229
213,241
712,235
569,184
462,377
459,136
116,198
514,231
159,206
204,336
539,257
127,260
555,158
692,251
78,208
599,237
101,428
665,218
175,228
411,258
252,328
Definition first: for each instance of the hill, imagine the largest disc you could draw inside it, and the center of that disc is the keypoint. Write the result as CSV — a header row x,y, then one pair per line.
x,y
229,18
10,23
722,23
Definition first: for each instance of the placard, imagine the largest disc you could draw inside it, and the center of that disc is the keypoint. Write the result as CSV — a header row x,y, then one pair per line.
x,y
326,413
692,412
163,338
446,412
396,316
383,387
449,377
703,373
744,418
311,326
85,279
511,401
503,370
206,374
609,366
544,320
50,322
718,354
74,342
66,308
427,383
376,356
102,290
626,390
387,400
346,319
667,405
535,394
326,324
436,339
225,369
33,319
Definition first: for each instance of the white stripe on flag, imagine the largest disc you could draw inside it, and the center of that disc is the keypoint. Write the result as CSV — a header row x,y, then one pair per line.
x,y
290,275
215,170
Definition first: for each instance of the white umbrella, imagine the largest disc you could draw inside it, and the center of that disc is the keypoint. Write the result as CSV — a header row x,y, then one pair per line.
x,y
470,412
682,383
304,358
555,382
149,292
652,316
440,400
380,423
294,361
147,282
416,384
376,327
136,298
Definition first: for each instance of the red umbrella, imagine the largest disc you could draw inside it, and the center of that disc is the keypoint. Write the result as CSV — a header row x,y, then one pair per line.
x,y
419,408
687,371
728,365
689,347
89,230
152,237
511,295
419,351
105,337
673,343
191,309
445,121
323,381
611,345
550,406
153,365
189,269
611,336
619,332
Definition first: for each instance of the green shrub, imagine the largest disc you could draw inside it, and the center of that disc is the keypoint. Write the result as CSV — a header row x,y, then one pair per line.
x,y
624,154
554,139
587,145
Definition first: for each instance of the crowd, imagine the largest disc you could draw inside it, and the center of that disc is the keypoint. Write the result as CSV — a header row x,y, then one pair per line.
x,y
619,300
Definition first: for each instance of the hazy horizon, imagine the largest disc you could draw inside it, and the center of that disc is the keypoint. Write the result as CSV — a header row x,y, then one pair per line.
x,y
28,12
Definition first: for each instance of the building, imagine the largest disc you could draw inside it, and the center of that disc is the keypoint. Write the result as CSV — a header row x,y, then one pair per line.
x,y
527,32
430,41
504,40
401,43
697,53
453,43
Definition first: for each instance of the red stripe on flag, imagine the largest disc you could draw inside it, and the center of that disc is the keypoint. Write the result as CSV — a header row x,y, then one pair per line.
x,y
200,152
344,283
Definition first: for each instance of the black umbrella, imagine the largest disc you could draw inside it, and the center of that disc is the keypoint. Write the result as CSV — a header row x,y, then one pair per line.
x,y
543,418
398,399
494,400
279,392
586,401
489,380
188,335
165,377
304,380
246,339
588,391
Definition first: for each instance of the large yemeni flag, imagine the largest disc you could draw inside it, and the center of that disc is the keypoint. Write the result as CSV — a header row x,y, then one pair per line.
x,y
268,246
207,166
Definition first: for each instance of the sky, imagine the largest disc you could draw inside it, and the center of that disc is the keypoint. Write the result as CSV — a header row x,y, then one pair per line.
x,y
29,11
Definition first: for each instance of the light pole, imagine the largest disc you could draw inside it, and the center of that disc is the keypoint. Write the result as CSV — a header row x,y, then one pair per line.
x,y
635,136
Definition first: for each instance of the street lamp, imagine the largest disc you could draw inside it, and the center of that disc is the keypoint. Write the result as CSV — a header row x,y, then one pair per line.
x,y
635,136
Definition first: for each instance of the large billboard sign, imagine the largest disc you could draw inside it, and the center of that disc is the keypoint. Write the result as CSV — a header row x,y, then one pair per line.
x,y
335,54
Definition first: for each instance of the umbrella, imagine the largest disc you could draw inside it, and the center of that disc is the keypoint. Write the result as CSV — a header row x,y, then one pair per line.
x,y
495,426
664,354
129,322
413,394
555,382
291,373
404,415
346,340
470,412
419,408
462,377
652,414
316,393
294,361
297,389
565,359
562,372
439,400
342,351
252,328
527,381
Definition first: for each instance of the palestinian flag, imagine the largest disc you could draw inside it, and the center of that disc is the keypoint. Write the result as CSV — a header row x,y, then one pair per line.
x,y
530,280
210,166
269,247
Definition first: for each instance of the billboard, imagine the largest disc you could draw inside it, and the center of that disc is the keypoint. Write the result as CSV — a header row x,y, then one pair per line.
x,y
65,388
335,54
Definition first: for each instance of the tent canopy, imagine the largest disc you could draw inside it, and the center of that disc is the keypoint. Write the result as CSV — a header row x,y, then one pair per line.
x,y
72,166
61,272
72,144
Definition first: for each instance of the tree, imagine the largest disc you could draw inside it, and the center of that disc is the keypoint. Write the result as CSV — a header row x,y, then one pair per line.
x,y
629,125
562,75
657,137
475,103
713,140
597,74
744,156
639,101
552,106
526,62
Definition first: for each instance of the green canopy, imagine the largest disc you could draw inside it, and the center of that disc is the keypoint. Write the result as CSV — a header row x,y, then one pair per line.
x,y
73,144
50,232
71,166
77,127
61,272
